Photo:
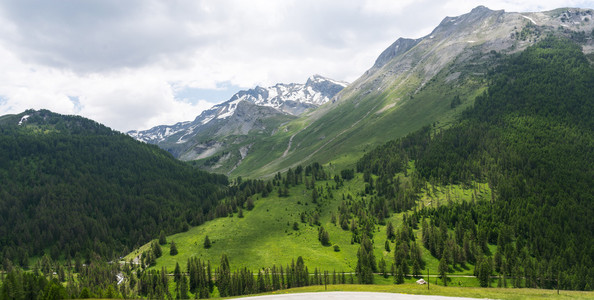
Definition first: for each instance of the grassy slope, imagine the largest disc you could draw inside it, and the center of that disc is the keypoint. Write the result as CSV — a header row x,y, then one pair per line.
x,y
362,121
265,236
412,288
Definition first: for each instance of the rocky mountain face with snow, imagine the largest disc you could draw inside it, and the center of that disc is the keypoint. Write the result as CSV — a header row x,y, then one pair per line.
x,y
413,84
258,111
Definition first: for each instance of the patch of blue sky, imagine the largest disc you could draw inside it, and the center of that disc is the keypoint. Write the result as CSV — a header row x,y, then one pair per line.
x,y
76,102
223,92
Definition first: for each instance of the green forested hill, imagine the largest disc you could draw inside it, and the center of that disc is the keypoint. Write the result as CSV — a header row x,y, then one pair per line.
x,y
69,185
531,137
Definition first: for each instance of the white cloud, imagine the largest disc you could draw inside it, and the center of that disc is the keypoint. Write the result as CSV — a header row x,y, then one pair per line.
x,y
123,60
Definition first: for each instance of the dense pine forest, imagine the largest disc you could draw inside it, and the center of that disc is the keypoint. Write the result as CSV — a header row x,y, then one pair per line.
x,y
530,136
71,186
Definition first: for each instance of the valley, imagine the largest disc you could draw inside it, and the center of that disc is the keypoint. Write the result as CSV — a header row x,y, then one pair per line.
x,y
463,157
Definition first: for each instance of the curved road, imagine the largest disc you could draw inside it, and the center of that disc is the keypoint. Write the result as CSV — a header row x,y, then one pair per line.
x,y
351,296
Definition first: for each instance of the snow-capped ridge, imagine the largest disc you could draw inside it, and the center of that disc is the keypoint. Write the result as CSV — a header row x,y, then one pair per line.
x,y
290,99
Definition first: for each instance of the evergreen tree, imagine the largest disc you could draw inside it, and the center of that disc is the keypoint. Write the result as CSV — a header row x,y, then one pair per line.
x,y
323,237
365,261
416,268
173,249
484,273
177,273
157,252
442,269
224,277
207,243
314,196
162,238
390,234
183,288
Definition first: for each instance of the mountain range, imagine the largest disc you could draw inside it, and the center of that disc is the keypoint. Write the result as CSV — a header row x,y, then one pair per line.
x,y
412,83
231,126
466,151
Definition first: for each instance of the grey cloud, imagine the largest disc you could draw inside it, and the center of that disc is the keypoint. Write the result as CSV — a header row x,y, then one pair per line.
x,y
100,35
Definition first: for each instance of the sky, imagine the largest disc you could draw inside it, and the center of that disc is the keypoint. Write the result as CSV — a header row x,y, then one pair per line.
x,y
136,64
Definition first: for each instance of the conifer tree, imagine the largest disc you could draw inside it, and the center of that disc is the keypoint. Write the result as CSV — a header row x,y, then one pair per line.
x,y
443,270
390,231
157,252
177,273
173,249
162,238
224,277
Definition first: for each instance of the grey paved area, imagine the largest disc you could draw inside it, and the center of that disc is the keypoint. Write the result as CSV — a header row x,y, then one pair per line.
x,y
351,296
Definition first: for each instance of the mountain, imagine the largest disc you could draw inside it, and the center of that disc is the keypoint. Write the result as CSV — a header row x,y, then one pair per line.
x,y
230,128
503,192
73,186
530,136
413,83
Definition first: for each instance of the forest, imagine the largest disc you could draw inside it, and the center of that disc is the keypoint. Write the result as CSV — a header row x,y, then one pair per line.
x,y
529,137
71,186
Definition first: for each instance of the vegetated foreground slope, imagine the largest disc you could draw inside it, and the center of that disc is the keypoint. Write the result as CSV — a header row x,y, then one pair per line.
x,y
70,185
531,137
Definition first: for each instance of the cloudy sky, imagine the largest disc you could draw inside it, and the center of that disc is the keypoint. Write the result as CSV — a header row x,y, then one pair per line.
x,y
135,64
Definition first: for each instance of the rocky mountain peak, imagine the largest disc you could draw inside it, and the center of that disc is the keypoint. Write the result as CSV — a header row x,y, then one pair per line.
x,y
400,46
280,99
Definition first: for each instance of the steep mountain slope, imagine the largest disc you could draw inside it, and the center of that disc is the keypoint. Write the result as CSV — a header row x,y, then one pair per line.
x,y
71,185
412,84
226,132
531,137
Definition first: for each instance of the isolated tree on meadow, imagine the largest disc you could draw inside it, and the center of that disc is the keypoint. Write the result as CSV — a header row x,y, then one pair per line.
x,y
173,249
207,243
390,234
323,236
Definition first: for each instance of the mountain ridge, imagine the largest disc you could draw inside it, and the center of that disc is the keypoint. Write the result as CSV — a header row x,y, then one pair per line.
x,y
292,99
412,84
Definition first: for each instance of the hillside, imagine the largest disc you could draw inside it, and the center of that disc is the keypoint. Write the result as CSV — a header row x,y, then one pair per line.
x,y
412,84
466,155
503,194
71,186
530,136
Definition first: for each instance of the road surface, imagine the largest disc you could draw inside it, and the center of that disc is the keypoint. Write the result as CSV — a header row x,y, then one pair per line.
x,y
352,296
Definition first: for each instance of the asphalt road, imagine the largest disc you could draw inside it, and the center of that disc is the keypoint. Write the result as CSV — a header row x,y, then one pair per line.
x,y
351,296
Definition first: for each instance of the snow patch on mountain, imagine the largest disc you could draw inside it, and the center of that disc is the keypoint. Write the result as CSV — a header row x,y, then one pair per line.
x,y
291,99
